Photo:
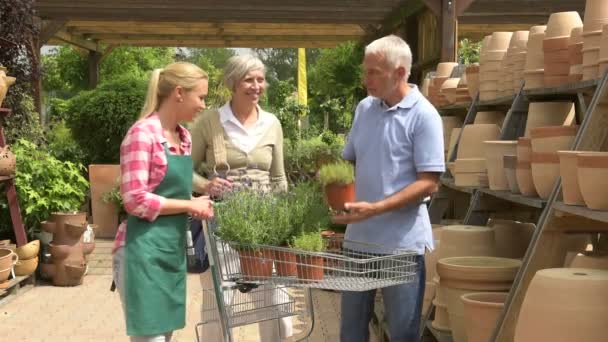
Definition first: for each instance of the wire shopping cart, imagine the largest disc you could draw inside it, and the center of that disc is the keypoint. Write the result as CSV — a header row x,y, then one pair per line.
x,y
258,283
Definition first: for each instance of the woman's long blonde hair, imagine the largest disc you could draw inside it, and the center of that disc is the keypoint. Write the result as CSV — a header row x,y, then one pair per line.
x,y
163,81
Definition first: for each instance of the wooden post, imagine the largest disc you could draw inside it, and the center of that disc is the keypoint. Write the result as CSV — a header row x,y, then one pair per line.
x,y
448,30
94,61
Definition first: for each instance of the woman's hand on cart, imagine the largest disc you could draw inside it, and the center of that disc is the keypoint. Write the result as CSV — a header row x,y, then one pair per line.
x,y
201,207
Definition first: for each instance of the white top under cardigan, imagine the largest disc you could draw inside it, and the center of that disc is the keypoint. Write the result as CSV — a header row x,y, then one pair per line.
x,y
244,138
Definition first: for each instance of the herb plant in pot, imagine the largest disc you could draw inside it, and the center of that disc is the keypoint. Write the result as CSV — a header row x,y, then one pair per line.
x,y
310,267
338,181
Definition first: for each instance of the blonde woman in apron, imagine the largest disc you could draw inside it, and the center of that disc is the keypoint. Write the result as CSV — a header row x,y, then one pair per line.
x,y
149,261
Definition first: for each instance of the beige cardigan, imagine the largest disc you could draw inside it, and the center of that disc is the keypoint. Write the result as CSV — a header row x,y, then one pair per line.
x,y
262,166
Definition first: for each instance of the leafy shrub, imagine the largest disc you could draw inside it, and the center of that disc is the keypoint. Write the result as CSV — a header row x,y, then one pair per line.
x,y
44,185
311,242
24,121
303,157
61,144
341,172
58,109
100,118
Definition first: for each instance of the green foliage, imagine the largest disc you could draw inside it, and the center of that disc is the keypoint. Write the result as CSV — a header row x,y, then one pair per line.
x,y
24,121
214,56
279,91
303,157
44,185
58,109
135,62
65,71
341,172
113,197
308,210
289,115
61,144
311,242
100,118
468,52
282,64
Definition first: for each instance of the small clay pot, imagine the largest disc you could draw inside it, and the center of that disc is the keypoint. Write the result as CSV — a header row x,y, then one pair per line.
x,y
337,195
481,312
285,263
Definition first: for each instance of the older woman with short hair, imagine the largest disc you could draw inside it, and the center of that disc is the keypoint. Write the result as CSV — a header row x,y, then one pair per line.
x,y
240,145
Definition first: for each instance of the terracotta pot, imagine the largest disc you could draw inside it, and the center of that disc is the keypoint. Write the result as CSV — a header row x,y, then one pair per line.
x,y
26,267
429,294
424,87
448,88
512,237
309,267
499,42
337,195
575,78
4,274
8,161
495,117
285,263
470,165
589,260
510,163
591,56
74,229
430,260
534,79
578,314
590,72
8,258
256,265
552,138
48,226
494,153
535,54
472,73
575,54
75,270
592,39
445,69
576,70
462,240
519,41
29,250
593,179
596,15
472,137
524,149
541,114
481,312
523,173
545,171
602,67
555,46
568,171
104,178
442,319
560,24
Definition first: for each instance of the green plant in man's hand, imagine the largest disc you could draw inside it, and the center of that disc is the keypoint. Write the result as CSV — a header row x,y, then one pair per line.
x,y
341,172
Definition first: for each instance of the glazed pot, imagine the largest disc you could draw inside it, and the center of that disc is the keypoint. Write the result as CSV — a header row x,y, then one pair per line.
x,y
309,267
510,163
337,195
495,117
465,240
512,237
564,305
541,114
26,267
552,138
545,171
523,173
495,150
568,172
29,250
593,179
481,312
472,138
8,258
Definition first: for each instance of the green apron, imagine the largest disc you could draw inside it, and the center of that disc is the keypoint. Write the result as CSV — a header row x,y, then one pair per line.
x,y
155,259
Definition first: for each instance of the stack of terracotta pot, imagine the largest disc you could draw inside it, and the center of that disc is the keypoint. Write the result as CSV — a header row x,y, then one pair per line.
x,y
470,166
512,238
555,47
564,305
68,249
596,16
472,72
603,59
449,124
584,178
491,56
513,63
447,94
575,54
444,71
430,260
523,168
28,258
534,73
462,91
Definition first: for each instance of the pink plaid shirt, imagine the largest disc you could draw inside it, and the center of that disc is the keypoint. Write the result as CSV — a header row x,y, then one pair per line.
x,y
143,165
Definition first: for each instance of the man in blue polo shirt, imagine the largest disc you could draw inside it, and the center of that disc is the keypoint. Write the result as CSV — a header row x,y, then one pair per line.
x,y
396,144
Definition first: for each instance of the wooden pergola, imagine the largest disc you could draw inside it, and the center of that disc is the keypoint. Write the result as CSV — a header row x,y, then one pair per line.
x,y
432,27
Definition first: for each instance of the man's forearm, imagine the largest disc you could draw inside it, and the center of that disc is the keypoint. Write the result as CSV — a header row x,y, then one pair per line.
x,y
412,193
199,183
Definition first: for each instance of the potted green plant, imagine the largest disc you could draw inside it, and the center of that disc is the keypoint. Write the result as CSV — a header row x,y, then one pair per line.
x,y
338,181
309,267
113,197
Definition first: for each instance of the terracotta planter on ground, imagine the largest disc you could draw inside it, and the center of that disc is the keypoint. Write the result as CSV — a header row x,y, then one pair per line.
x,y
256,265
568,171
494,153
472,137
481,312
545,171
309,267
103,179
337,195
552,138
564,305
512,237
510,163
523,173
593,179
542,114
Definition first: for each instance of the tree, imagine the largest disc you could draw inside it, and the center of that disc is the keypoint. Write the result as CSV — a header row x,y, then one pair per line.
x,y
215,56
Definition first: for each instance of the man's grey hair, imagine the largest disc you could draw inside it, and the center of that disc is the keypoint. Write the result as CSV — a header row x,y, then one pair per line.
x,y
237,68
395,50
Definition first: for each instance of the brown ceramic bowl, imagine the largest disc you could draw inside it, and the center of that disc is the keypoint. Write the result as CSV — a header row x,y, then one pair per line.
x,y
29,250
26,267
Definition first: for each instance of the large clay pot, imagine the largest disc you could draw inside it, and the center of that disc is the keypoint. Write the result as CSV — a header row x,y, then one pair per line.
x,y
564,305
472,138
104,178
545,171
337,195
472,72
596,15
568,171
523,173
429,294
499,42
589,260
495,117
8,161
560,24
541,114
524,149
552,138
495,150
535,56
512,237
481,312
510,163
463,240
593,179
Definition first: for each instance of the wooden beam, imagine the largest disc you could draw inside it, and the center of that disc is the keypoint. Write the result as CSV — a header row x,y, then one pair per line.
x,y
498,18
106,52
224,43
202,37
462,5
434,6
48,30
76,41
448,31
144,30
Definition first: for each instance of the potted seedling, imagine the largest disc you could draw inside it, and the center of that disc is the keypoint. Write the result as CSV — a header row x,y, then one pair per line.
x,y
310,267
338,181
